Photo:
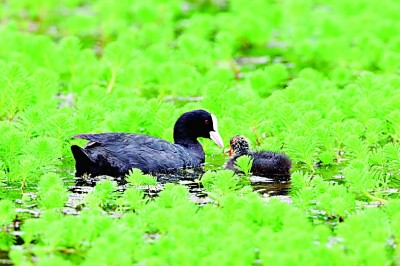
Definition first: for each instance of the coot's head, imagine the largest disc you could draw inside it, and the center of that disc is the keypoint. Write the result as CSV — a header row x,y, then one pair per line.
x,y
194,124
239,146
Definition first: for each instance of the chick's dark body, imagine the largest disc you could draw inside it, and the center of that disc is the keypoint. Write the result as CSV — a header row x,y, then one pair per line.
x,y
265,163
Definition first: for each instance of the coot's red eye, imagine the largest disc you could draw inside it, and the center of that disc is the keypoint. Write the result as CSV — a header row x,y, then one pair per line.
x,y
206,122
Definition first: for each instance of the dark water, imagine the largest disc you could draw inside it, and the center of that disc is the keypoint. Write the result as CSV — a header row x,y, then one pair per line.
x,y
4,259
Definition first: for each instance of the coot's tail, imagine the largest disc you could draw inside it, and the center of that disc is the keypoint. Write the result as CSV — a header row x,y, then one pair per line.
x,y
83,165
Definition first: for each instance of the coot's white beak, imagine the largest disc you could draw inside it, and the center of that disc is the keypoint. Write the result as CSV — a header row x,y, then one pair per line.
x,y
214,135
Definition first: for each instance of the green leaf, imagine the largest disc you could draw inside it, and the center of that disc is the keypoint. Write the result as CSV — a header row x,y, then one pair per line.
x,y
244,164
7,212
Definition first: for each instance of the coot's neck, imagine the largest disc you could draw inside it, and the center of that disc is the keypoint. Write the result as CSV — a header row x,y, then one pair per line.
x,y
184,137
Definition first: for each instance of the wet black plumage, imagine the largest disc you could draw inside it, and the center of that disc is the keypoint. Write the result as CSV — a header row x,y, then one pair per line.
x,y
115,154
265,163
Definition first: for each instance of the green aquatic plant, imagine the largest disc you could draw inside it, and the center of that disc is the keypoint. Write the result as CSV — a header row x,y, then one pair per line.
x,y
374,226
15,95
223,181
7,215
133,198
244,164
363,180
136,178
103,195
51,192
266,80
318,82
7,211
303,149
316,195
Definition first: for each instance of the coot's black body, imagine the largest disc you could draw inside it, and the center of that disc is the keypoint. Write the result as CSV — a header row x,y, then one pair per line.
x,y
265,163
114,154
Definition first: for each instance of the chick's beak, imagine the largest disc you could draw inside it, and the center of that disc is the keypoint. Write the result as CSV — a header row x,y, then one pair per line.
x,y
214,135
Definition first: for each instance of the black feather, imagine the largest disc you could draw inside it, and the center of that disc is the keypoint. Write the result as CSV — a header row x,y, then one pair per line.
x,y
115,154
265,163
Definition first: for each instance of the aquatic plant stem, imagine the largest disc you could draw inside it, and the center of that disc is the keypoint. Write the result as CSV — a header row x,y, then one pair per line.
x,y
258,139
112,80
383,201
235,69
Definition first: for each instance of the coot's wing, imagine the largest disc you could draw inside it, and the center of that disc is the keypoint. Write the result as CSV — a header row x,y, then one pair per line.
x,y
156,154
141,151
102,137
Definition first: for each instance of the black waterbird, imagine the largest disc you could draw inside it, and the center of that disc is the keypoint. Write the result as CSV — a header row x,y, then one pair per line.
x,y
114,154
265,163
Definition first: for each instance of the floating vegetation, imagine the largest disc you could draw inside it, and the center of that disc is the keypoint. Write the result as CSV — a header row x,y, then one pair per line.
x,y
316,80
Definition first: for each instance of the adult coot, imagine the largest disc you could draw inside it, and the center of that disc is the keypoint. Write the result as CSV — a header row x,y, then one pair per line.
x,y
114,154
265,163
